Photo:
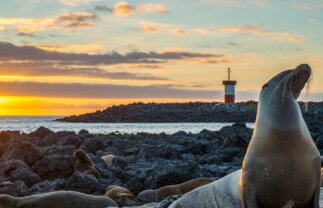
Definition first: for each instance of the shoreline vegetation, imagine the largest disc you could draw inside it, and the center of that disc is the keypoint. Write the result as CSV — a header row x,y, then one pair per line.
x,y
43,161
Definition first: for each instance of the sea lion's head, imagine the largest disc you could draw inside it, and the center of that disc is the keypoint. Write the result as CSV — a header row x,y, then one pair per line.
x,y
147,196
278,97
122,196
81,155
286,84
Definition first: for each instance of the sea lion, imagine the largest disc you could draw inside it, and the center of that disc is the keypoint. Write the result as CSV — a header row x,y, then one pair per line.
x,y
108,158
57,199
162,193
281,167
122,196
84,164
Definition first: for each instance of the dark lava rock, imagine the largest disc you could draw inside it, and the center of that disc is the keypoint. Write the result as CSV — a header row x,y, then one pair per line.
x,y
55,166
24,151
16,189
168,201
41,132
17,170
135,186
81,182
47,186
92,145
51,139
71,140
83,132
171,112
171,172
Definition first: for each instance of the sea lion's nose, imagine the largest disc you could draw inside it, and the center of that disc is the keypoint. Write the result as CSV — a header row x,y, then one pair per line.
x,y
301,75
304,68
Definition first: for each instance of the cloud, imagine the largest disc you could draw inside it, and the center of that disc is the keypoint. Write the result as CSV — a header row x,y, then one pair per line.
x,y
259,31
63,90
124,9
204,31
71,21
231,43
10,52
173,29
75,20
147,28
103,8
76,2
41,68
301,5
151,8
30,35
179,31
151,27
311,20
76,48
2,28
147,66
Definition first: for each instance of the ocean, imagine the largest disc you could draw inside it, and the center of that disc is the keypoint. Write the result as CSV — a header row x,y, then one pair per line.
x,y
31,123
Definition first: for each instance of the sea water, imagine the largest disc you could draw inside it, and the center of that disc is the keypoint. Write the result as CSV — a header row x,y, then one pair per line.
x,y
31,123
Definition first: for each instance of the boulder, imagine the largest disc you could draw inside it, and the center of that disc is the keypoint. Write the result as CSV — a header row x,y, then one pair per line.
x,y
17,170
55,166
24,151
16,189
41,132
47,186
81,182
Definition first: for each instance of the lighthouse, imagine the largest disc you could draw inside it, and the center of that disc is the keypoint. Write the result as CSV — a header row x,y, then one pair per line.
x,y
229,88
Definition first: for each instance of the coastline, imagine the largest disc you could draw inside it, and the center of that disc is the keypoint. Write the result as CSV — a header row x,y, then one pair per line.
x,y
183,113
42,161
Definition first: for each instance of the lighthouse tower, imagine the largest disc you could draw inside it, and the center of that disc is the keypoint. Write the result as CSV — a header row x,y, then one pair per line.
x,y
229,89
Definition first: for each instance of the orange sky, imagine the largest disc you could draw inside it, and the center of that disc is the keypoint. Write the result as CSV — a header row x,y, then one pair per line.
x,y
63,57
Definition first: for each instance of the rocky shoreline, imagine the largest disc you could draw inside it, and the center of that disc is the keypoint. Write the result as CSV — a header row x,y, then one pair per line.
x,y
43,161
181,112
170,113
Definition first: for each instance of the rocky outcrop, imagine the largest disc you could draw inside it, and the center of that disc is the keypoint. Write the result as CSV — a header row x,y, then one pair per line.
x,y
170,112
43,161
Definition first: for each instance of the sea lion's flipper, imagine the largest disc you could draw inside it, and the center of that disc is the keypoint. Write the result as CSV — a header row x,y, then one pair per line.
x,y
315,201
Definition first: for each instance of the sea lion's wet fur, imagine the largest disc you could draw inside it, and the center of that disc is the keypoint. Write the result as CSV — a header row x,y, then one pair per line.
x,y
282,164
84,164
178,189
122,196
57,199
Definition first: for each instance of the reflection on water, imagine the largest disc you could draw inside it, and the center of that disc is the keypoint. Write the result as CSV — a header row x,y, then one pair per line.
x,y
31,123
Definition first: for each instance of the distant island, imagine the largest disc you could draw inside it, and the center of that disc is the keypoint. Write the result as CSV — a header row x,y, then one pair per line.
x,y
184,113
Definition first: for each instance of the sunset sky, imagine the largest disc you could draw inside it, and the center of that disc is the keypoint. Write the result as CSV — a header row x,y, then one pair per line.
x,y
62,57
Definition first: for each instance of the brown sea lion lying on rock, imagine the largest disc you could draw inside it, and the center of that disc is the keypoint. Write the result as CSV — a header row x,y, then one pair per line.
x,y
160,194
84,164
122,196
57,199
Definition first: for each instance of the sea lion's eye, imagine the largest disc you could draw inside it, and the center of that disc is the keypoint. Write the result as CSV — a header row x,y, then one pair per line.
x,y
265,85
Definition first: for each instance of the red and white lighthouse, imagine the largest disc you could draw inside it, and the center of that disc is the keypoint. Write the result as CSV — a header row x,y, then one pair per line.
x,y
229,89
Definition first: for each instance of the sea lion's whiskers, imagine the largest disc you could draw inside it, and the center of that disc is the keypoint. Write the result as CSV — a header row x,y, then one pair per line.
x,y
288,78
307,91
